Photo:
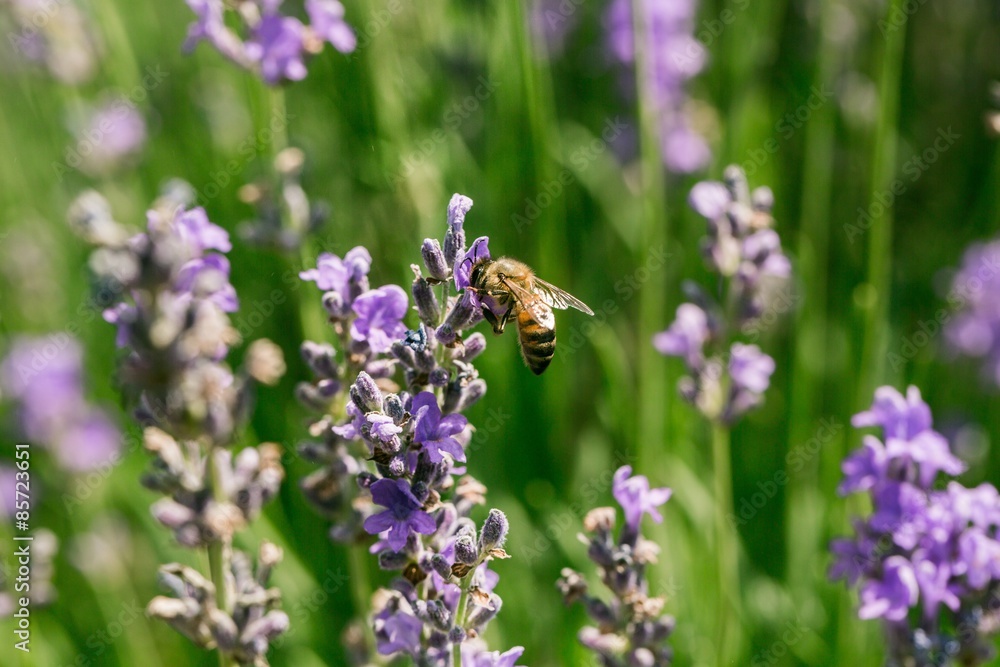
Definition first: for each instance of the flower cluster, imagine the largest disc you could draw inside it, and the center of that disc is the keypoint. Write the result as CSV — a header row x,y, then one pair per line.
x,y
45,377
244,633
110,136
729,378
631,627
57,36
975,330
927,560
673,56
276,45
393,454
174,290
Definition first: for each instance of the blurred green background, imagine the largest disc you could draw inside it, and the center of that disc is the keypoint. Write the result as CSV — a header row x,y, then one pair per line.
x,y
385,148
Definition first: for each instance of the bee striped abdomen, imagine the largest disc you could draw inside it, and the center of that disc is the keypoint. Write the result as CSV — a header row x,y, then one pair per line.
x,y
537,335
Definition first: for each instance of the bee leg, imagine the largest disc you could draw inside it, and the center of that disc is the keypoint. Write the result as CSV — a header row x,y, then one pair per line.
x,y
494,322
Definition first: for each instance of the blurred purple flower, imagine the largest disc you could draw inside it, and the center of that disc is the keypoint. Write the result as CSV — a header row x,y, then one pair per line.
x,y
397,632
893,595
194,227
114,132
472,656
974,331
45,377
749,368
211,275
686,336
899,417
276,43
636,498
673,57
380,317
326,18
436,433
402,516
345,278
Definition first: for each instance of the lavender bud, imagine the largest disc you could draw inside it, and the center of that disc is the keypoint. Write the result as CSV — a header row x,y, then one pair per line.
x,y
427,304
762,199
397,467
599,611
366,394
465,550
366,479
309,396
320,359
456,635
439,377
474,346
483,614
334,304
265,362
494,531
736,182
223,629
438,615
404,353
420,491
472,393
462,313
452,397
392,560
434,259
641,657
440,565
425,361
171,514
327,389
272,624
394,408
454,239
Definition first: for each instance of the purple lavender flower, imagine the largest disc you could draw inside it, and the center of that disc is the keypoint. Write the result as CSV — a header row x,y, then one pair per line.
x,y
396,631
686,336
673,57
893,595
749,368
631,628
974,331
343,279
920,549
380,317
276,43
436,434
402,516
115,132
478,251
210,276
45,377
636,498
326,17
211,27
473,656
194,227
746,253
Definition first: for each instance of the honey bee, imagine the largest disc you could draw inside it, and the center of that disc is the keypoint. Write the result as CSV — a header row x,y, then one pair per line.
x,y
509,288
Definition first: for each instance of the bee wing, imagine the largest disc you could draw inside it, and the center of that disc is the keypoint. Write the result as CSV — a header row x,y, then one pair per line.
x,y
532,301
558,298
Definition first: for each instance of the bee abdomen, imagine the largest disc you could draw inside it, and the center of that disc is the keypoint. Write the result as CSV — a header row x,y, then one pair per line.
x,y
538,345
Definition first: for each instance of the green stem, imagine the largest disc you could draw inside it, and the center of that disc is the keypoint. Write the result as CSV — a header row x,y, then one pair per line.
x,y
880,235
219,552
725,547
653,397
463,603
